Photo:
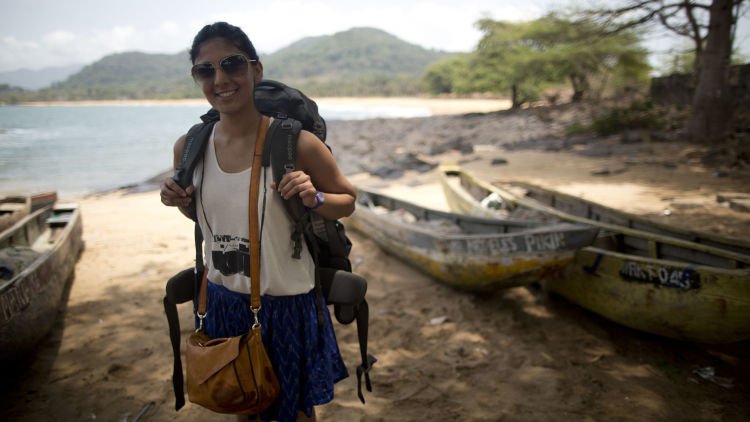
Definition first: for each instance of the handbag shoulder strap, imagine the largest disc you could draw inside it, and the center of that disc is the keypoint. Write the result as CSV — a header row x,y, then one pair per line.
x,y
253,215
254,232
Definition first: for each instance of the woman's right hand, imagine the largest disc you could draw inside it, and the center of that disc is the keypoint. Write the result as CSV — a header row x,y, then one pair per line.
x,y
172,195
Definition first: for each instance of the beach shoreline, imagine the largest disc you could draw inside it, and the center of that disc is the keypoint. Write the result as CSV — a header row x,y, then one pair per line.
x,y
436,105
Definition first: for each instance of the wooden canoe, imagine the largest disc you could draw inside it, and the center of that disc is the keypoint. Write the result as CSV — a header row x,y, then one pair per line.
x,y
15,207
654,282
468,252
587,211
43,199
37,259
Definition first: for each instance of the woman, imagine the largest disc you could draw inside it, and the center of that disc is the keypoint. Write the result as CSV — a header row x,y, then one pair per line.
x,y
304,353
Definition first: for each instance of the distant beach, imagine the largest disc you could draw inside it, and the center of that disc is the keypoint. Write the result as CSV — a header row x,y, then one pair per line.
x,y
436,106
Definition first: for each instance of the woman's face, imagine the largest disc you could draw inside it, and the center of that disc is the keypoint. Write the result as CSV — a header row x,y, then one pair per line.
x,y
227,93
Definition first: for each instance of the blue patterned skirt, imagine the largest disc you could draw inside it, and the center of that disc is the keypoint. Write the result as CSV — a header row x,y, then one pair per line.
x,y
305,356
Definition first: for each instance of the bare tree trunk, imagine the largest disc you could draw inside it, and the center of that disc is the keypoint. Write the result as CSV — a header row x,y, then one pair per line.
x,y
580,85
515,102
712,100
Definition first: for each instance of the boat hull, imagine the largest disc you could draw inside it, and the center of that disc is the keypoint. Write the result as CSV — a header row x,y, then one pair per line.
x,y
649,281
31,300
671,299
477,261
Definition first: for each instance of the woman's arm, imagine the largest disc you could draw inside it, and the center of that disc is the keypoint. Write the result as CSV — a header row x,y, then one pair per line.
x,y
317,171
172,195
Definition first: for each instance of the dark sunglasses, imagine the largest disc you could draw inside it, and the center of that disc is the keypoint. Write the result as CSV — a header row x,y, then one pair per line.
x,y
231,65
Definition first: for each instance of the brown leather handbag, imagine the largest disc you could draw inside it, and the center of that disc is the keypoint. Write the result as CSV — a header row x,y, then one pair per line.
x,y
234,374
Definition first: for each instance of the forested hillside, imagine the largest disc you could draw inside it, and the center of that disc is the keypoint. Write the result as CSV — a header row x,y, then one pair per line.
x,y
360,61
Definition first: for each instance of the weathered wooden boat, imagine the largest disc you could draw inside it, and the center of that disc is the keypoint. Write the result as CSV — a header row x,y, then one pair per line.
x,y
37,259
15,207
654,282
570,206
42,199
464,251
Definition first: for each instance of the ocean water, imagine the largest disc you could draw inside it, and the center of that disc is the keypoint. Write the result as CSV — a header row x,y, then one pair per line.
x,y
78,150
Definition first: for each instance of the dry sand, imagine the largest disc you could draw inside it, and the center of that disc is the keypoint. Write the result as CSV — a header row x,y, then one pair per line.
x,y
443,355
436,106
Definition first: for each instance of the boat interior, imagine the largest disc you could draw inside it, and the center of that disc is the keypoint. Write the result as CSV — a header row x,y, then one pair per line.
x,y
30,238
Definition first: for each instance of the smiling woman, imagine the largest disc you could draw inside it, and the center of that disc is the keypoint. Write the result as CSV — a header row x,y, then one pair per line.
x,y
301,346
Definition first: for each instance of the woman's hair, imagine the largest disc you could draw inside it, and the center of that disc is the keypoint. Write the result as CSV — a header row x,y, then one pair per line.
x,y
231,33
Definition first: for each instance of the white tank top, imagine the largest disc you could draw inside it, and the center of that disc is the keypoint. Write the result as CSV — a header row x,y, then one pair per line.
x,y
222,210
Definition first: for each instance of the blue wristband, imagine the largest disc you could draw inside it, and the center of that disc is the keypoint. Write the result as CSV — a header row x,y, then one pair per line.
x,y
319,200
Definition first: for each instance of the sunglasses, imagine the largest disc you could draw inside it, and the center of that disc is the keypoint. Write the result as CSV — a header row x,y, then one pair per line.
x,y
231,65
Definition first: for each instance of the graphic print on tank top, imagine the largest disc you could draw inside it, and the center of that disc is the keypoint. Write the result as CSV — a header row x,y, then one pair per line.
x,y
230,254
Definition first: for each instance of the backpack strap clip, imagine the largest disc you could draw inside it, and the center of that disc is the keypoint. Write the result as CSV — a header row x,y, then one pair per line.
x,y
299,228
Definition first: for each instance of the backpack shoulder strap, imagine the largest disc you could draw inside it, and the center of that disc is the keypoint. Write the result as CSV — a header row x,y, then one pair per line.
x,y
280,153
192,152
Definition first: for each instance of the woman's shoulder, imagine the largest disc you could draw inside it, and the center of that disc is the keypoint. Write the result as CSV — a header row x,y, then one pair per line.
x,y
309,142
179,145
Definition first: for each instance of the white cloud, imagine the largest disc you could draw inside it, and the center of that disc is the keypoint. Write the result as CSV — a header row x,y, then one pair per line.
x,y
169,28
52,39
68,35
16,53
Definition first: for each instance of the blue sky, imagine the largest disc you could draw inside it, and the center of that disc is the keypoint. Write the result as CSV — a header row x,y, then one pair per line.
x,y
41,33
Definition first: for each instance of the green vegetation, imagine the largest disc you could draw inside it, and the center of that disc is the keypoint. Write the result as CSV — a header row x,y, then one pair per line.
x,y
131,76
357,62
360,61
523,59
520,60
636,115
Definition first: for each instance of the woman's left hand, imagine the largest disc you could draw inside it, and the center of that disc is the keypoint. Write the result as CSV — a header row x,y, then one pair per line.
x,y
297,182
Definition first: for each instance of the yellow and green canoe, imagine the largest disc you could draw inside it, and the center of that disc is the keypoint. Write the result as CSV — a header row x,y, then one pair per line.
x,y
644,275
467,252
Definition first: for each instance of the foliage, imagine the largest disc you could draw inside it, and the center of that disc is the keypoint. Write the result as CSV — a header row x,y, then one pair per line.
x,y
688,19
525,58
576,128
11,94
357,62
361,61
682,62
638,115
711,27
349,54
446,76
127,76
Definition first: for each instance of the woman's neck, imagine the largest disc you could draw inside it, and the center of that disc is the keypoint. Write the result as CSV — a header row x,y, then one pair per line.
x,y
238,126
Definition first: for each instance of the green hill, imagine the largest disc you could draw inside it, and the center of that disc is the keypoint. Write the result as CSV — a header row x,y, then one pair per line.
x,y
360,61
129,75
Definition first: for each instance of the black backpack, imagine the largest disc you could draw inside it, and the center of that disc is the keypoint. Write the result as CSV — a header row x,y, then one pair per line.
x,y
326,240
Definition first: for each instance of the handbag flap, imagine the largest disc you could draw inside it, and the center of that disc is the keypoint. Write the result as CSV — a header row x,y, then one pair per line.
x,y
205,357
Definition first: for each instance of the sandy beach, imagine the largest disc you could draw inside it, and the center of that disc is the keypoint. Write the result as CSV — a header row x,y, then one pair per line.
x,y
436,106
516,354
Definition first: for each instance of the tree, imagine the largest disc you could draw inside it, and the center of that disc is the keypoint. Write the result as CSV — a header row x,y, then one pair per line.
x,y
444,77
502,61
524,57
711,28
581,51
712,102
